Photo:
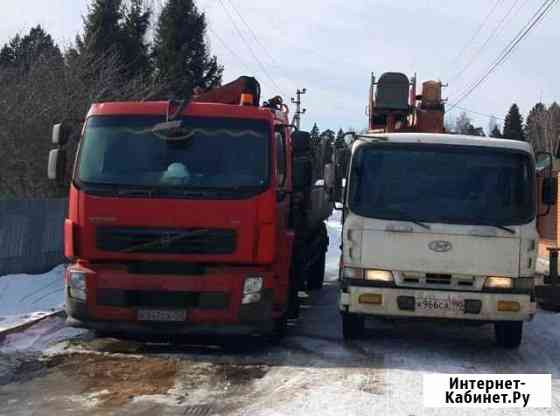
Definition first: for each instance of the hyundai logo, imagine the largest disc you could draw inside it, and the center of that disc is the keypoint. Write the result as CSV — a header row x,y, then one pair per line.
x,y
440,246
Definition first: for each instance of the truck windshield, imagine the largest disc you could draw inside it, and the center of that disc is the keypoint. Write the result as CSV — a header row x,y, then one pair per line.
x,y
443,184
212,153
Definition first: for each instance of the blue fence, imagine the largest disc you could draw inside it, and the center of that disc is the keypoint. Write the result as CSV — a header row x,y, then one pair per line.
x,y
31,235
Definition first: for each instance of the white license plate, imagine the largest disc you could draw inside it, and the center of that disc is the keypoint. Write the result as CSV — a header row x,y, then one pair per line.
x,y
176,315
440,303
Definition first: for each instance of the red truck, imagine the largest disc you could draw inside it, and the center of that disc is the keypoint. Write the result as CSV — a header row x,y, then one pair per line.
x,y
195,216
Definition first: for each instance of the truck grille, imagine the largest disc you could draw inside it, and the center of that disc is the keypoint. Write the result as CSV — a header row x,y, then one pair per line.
x,y
439,281
166,241
154,299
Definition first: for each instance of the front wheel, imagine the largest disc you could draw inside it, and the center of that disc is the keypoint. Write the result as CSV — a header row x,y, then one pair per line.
x,y
353,326
509,334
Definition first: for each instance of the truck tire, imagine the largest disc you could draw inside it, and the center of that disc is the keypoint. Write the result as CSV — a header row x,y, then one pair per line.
x,y
279,329
509,334
316,277
352,326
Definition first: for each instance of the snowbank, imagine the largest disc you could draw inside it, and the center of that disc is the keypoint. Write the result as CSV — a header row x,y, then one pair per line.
x,y
26,298
334,228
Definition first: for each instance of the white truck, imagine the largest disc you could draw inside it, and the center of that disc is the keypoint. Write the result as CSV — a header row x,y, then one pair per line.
x,y
440,226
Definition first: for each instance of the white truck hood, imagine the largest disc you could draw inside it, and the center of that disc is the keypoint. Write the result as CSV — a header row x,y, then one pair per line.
x,y
448,249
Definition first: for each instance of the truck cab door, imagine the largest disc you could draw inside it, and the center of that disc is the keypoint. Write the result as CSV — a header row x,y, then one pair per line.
x,y
282,180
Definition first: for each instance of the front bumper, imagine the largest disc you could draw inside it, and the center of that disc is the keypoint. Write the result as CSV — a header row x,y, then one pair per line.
x,y
399,302
212,302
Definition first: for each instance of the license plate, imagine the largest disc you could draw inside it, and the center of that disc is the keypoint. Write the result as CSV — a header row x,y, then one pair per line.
x,y
440,303
176,315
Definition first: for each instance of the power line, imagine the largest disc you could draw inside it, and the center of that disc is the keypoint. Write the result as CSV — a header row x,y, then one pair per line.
x,y
486,42
259,62
230,50
508,50
257,41
478,113
479,29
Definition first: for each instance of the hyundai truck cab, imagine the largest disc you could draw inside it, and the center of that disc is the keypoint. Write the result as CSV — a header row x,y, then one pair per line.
x,y
440,226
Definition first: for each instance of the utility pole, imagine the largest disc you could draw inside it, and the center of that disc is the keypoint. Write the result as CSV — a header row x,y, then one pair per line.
x,y
299,111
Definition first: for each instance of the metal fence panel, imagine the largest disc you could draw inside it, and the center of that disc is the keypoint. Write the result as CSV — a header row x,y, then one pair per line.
x,y
31,235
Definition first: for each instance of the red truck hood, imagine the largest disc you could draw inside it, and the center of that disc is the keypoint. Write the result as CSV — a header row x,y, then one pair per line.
x,y
162,228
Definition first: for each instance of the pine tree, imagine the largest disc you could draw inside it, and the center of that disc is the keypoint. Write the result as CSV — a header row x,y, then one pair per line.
x,y
103,31
513,125
113,27
135,25
496,133
535,126
339,141
553,128
328,135
492,124
23,52
463,124
315,134
181,55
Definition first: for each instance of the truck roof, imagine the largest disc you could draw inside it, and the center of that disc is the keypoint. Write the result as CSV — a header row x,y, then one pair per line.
x,y
452,139
156,108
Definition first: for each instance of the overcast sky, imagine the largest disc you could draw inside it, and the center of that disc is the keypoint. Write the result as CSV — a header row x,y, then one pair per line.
x,y
331,47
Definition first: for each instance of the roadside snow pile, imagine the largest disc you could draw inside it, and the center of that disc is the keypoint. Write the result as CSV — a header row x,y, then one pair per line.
x,y
25,298
334,228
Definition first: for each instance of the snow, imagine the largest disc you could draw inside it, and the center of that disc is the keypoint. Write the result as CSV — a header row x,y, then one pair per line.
x,y
26,298
334,229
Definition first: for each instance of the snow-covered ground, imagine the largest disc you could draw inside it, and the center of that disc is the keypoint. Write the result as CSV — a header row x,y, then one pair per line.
x,y
26,297
334,228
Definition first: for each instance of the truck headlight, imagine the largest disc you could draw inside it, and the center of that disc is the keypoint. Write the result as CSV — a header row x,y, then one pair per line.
x,y
252,290
379,275
367,274
496,282
77,285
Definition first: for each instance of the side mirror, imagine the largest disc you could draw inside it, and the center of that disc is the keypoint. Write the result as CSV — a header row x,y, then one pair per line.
x,y
61,133
550,190
57,165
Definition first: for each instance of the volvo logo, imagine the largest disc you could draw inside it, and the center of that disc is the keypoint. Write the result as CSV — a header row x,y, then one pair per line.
x,y
440,246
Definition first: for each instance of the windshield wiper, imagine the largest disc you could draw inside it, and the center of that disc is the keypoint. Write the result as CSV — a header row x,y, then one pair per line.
x,y
148,192
501,227
406,219
421,224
